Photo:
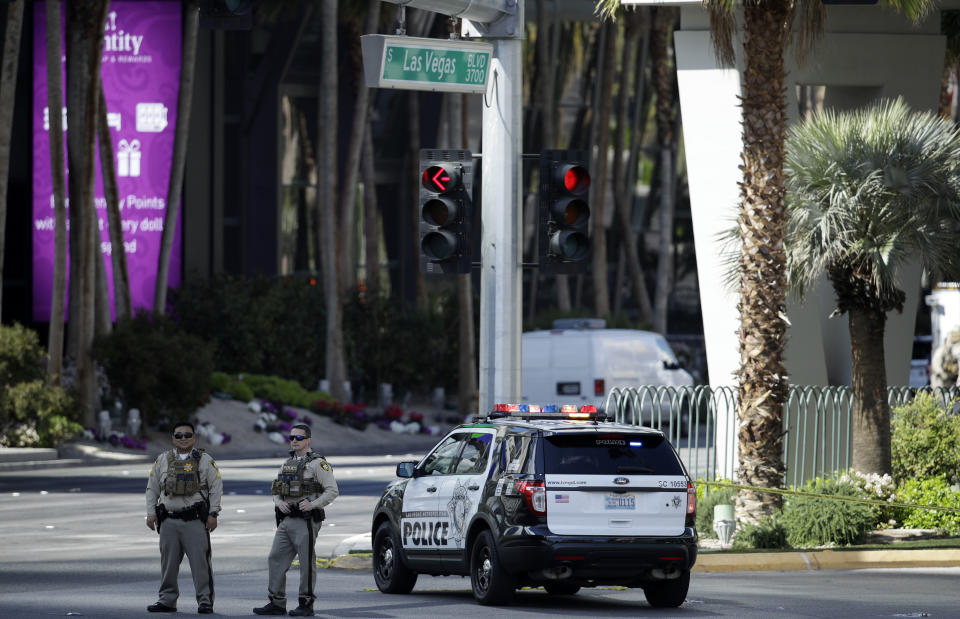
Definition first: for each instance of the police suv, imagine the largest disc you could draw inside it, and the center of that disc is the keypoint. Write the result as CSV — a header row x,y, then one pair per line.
x,y
540,496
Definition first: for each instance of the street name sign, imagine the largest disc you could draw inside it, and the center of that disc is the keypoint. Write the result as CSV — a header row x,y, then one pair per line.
x,y
413,63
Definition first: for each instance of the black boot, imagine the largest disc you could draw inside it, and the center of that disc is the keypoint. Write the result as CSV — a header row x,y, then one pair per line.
x,y
305,609
270,609
160,607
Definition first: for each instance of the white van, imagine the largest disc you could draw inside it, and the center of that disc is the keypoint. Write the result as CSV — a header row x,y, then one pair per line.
x,y
579,362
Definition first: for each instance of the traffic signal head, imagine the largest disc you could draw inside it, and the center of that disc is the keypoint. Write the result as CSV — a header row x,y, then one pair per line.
x,y
564,212
446,181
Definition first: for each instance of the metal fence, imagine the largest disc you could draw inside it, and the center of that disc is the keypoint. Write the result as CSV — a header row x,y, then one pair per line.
x,y
701,423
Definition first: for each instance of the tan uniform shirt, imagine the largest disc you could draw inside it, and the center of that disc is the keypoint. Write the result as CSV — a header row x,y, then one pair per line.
x,y
318,470
210,484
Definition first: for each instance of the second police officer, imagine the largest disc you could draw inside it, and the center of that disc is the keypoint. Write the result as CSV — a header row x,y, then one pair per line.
x,y
304,486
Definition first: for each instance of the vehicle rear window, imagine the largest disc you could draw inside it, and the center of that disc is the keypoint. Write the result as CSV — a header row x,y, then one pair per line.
x,y
610,454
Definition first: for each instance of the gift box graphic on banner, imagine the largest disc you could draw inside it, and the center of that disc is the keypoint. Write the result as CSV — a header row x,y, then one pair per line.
x,y
128,158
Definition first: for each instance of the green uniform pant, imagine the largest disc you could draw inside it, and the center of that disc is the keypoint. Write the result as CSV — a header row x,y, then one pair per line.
x,y
178,538
294,537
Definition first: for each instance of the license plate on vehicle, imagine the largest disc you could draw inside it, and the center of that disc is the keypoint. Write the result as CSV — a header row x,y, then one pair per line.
x,y
621,502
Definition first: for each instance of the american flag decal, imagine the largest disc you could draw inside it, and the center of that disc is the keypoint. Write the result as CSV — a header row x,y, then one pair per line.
x,y
561,498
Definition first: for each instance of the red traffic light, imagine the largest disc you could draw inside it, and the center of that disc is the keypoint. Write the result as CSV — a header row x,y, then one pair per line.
x,y
574,178
440,178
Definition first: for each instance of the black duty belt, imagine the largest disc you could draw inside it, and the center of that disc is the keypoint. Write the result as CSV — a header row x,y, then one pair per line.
x,y
191,513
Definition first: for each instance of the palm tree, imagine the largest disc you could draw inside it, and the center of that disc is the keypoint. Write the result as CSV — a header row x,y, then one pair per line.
x,y
869,191
8,84
767,27
121,277
191,26
54,105
85,23
327,177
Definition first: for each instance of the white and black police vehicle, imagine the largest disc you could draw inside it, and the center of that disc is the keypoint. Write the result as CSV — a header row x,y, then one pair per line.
x,y
541,496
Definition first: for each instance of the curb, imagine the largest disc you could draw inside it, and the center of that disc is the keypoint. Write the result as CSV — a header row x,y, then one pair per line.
x,y
826,560
773,562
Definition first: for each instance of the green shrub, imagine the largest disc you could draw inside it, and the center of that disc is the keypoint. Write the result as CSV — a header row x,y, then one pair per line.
x,y
930,491
706,501
925,440
277,389
21,358
414,349
768,533
260,325
814,521
236,389
155,366
32,413
276,326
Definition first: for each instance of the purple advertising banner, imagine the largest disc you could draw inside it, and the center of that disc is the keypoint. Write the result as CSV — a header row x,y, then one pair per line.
x,y
141,79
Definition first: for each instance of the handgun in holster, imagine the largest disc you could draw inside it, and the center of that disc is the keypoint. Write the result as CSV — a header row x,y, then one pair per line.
x,y
162,515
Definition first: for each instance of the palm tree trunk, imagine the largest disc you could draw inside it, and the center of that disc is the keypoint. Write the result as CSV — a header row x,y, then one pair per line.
x,y
871,411
545,99
8,85
598,243
371,217
85,23
101,300
348,222
663,82
54,107
327,179
191,26
762,266
118,256
635,56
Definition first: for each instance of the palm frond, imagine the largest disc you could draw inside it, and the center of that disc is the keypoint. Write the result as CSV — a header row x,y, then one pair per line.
x,y
868,191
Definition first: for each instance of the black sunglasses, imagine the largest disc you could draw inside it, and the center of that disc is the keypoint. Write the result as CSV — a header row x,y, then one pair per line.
x,y
183,435
298,437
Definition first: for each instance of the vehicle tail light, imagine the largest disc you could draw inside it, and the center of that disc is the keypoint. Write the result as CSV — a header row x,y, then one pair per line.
x,y
536,495
691,504
599,388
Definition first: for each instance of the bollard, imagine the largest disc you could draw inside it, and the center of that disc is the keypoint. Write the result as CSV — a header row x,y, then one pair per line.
x,y
439,397
724,523
104,424
386,394
133,422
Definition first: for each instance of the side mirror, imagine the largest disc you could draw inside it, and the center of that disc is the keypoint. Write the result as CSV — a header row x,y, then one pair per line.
x,y
405,469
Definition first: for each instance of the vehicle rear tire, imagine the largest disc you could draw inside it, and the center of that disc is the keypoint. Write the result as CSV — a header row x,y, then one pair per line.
x,y
389,571
668,593
492,585
561,588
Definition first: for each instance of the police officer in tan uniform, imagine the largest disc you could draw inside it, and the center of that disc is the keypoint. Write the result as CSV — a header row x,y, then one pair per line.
x,y
304,486
183,503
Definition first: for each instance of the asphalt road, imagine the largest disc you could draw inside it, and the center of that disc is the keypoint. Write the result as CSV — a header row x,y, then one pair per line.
x,y
73,543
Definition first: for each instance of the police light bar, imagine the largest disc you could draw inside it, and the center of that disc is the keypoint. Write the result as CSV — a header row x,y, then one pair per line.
x,y
548,411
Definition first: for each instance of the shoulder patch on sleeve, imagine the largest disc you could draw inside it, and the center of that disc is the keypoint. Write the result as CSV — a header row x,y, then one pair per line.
x,y
325,465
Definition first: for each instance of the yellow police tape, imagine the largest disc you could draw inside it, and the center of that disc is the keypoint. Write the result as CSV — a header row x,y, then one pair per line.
x,y
831,497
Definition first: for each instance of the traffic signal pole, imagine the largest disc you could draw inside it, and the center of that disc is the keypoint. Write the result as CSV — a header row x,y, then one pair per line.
x,y
499,22
501,279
